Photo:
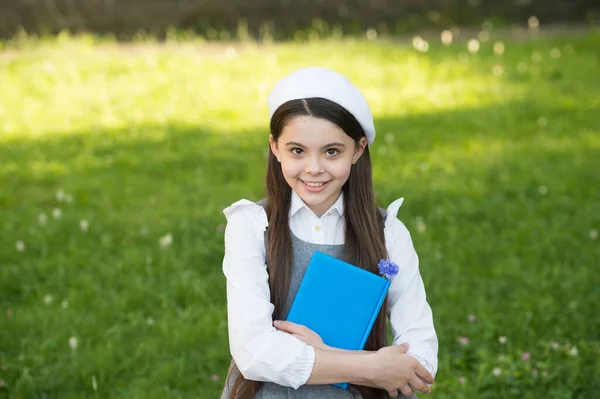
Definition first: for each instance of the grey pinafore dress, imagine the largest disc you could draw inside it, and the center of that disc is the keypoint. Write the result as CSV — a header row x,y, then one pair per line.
x,y
302,253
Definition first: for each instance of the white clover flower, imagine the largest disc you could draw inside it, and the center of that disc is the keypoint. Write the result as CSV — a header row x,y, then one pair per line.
x,y
60,195
421,226
20,245
73,342
533,22
416,41
496,371
42,219
446,37
65,304
83,224
56,213
498,48
593,234
473,46
48,299
420,44
166,240
371,34
573,351
502,339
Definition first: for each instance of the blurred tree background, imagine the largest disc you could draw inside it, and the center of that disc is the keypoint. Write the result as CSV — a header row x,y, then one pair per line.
x,y
281,18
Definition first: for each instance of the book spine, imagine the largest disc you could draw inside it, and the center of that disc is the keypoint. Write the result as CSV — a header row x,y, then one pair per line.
x,y
374,316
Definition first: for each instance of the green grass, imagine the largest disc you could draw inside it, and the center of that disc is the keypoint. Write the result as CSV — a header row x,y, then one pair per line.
x,y
500,174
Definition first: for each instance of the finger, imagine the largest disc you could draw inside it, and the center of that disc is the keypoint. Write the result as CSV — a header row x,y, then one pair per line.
x,y
393,393
403,347
418,385
406,391
288,326
423,374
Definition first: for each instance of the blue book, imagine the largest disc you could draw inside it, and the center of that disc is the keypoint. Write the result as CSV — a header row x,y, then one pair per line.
x,y
338,301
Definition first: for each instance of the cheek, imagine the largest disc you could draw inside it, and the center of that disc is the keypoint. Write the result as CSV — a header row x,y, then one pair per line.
x,y
340,171
290,168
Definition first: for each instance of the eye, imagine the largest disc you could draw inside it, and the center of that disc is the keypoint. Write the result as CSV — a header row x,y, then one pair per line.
x,y
296,151
332,152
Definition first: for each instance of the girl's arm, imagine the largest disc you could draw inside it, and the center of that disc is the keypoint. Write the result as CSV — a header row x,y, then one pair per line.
x,y
260,352
409,313
389,368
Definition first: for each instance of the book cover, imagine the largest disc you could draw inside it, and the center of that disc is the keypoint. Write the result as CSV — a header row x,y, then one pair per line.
x,y
338,301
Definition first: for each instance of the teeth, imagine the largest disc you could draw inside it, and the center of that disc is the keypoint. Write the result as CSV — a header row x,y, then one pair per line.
x,y
314,184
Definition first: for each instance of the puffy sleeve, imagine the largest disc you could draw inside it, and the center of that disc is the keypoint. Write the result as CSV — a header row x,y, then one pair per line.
x,y
409,313
261,352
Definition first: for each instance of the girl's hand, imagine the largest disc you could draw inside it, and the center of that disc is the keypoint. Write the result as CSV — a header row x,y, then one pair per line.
x,y
396,371
301,332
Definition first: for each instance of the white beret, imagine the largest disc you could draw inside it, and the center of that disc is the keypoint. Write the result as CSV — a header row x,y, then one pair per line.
x,y
324,83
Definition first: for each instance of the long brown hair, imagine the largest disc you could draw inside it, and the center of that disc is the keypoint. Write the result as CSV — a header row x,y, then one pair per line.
x,y
364,243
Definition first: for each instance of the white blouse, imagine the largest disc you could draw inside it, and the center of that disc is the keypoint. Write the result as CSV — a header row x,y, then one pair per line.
x,y
263,353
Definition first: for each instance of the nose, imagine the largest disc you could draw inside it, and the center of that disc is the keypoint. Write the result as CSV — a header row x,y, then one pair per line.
x,y
313,165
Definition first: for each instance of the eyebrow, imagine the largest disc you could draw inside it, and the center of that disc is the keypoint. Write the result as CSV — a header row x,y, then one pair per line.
x,y
293,143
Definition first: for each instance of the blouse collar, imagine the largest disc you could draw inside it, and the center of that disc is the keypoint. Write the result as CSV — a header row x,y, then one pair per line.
x,y
297,204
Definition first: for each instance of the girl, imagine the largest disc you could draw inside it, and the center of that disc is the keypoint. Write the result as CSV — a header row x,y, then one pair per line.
x,y
319,196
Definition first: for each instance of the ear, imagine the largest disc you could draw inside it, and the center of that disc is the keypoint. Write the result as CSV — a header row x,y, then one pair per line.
x,y
360,148
274,149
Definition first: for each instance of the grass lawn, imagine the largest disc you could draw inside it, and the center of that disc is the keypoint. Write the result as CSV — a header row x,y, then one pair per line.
x,y
116,162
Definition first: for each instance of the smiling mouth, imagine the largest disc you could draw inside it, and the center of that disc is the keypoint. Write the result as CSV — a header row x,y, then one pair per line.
x,y
314,184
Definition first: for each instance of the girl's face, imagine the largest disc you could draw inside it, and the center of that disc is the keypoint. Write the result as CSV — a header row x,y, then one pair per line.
x,y
316,157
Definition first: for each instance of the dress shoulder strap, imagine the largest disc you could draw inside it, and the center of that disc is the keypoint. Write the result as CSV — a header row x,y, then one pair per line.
x,y
263,203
